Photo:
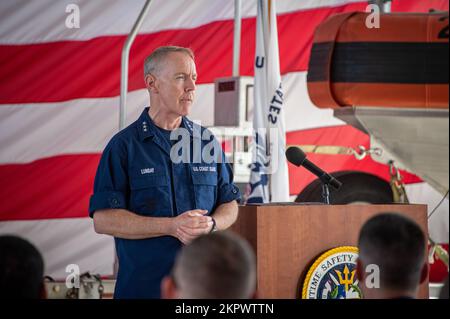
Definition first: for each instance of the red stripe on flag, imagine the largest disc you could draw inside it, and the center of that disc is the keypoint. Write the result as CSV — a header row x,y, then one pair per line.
x,y
56,187
60,71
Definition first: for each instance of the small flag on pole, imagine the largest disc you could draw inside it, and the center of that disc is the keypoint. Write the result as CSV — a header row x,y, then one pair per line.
x,y
269,174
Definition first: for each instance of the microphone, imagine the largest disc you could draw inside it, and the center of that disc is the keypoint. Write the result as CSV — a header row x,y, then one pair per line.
x,y
297,157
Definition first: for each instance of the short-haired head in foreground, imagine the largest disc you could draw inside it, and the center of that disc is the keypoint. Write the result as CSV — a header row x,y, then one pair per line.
x,y
396,244
21,269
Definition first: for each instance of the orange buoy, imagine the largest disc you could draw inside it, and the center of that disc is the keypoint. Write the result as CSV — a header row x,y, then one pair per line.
x,y
403,63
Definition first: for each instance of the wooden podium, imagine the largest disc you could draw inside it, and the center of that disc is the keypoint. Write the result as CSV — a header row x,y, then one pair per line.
x,y
287,238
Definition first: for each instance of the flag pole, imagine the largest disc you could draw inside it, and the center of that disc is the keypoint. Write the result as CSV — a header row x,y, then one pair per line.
x,y
237,37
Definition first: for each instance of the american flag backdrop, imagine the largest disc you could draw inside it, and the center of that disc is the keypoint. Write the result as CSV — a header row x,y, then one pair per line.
x,y
59,103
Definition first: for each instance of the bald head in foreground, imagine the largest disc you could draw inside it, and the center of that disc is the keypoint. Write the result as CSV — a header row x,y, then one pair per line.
x,y
220,265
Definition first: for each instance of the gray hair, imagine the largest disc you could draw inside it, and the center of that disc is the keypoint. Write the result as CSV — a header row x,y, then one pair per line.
x,y
153,61
220,265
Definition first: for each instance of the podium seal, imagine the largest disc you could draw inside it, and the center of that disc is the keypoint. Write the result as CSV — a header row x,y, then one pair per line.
x,y
333,275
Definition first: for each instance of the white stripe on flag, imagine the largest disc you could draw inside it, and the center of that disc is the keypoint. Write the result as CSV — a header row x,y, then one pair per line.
x,y
29,132
25,21
66,241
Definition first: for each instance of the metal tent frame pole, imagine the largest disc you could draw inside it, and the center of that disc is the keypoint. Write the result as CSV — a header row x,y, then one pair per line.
x,y
124,64
237,36
124,81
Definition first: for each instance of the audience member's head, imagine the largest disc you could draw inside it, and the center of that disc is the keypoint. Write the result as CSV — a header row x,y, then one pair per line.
x,y
395,244
21,269
220,265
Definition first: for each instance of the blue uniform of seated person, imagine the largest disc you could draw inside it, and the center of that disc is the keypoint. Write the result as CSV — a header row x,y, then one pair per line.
x,y
162,181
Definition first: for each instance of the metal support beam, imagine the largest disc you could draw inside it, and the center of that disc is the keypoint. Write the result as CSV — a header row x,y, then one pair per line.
x,y
237,37
387,6
124,63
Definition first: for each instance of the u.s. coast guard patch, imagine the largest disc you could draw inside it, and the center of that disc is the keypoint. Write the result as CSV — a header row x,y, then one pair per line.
x,y
333,275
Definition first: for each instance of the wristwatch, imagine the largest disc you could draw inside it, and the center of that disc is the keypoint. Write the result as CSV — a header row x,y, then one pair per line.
x,y
214,227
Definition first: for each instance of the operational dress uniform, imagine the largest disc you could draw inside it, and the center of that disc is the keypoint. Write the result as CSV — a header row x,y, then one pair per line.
x,y
136,173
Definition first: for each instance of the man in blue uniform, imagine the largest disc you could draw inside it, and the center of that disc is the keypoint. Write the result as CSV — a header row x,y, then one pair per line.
x,y
151,203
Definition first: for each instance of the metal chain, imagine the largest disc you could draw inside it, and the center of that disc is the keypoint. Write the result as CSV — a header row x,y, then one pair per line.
x,y
363,152
438,252
359,153
397,185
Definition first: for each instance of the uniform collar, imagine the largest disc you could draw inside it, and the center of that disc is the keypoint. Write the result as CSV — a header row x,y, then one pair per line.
x,y
147,127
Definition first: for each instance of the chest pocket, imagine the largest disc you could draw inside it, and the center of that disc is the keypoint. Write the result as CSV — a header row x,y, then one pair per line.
x,y
150,195
205,188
